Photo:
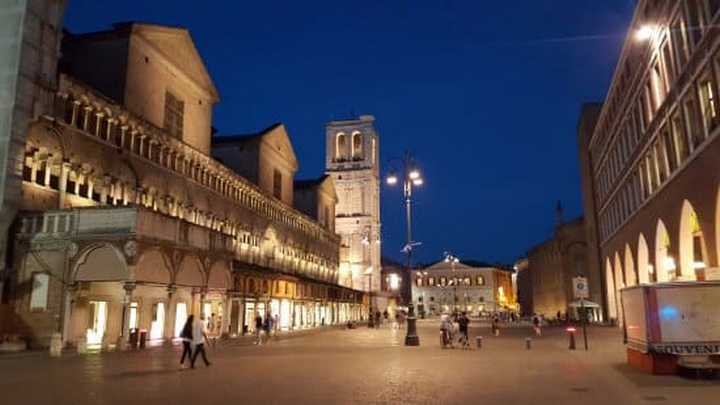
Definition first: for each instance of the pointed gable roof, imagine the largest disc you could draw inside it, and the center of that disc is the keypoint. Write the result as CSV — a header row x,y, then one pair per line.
x,y
274,136
184,54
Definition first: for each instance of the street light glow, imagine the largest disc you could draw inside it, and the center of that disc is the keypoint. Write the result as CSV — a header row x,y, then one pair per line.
x,y
645,33
418,182
392,180
414,174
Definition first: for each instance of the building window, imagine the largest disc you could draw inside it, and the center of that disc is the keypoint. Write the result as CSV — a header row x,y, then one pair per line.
x,y
708,104
693,121
696,20
174,112
658,87
443,281
661,161
431,281
419,282
670,153
680,44
357,147
39,295
277,184
679,137
480,280
340,146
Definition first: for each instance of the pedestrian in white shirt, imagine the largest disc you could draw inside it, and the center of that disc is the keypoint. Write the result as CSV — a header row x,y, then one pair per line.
x,y
199,337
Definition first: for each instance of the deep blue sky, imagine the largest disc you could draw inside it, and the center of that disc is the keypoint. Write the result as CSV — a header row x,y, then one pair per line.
x,y
486,94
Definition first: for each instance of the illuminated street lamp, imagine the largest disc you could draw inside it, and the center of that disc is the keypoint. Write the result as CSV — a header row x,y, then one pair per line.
x,y
453,260
645,32
412,178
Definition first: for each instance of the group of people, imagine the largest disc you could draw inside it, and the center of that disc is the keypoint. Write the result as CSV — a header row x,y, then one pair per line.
x,y
454,329
264,327
194,335
384,317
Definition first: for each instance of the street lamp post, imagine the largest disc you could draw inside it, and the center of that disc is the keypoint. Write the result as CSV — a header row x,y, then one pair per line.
x,y
411,178
453,260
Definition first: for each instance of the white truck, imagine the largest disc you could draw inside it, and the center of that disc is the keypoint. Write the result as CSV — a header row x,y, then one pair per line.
x,y
672,325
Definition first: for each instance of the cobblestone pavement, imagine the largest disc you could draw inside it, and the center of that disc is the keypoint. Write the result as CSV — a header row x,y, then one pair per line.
x,y
356,366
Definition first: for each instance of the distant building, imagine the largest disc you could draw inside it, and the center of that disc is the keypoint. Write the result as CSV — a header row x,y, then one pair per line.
x,y
524,287
649,153
552,265
464,286
353,161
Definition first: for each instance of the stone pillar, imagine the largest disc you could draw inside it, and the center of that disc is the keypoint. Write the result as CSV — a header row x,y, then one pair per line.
x,y
34,168
64,172
104,191
48,168
138,195
122,343
224,326
169,327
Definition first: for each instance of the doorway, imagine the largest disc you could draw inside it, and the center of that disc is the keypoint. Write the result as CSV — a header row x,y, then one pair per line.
x,y
180,317
158,321
97,322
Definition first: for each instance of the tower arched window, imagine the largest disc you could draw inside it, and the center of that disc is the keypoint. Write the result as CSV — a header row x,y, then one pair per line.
x,y
357,146
340,146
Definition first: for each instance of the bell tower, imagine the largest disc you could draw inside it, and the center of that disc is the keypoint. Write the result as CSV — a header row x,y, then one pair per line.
x,y
352,159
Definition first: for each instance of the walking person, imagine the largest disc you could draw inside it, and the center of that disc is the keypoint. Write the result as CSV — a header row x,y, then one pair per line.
x,y
199,337
258,328
463,323
268,324
496,325
537,325
187,338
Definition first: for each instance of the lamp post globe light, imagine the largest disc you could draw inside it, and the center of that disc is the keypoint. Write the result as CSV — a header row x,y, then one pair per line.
x,y
453,260
410,177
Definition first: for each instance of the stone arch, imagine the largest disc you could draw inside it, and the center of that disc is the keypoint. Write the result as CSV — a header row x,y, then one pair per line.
x,y
610,283
619,284
153,266
643,261
48,138
190,273
665,265
693,254
101,262
357,145
219,276
630,277
340,145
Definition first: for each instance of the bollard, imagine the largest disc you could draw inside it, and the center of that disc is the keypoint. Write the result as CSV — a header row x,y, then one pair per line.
x,y
478,341
528,343
571,332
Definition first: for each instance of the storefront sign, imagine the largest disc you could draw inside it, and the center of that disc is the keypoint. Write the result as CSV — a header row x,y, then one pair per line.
x,y
687,348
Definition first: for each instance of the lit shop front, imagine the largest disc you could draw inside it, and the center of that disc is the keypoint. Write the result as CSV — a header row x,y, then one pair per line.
x,y
294,303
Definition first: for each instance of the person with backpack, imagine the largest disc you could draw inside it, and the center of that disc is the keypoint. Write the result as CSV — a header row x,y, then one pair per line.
x,y
187,337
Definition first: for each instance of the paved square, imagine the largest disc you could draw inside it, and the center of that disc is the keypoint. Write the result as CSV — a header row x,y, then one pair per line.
x,y
357,366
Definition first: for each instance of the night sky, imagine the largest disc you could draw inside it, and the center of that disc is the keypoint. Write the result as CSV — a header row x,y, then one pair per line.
x,y
486,94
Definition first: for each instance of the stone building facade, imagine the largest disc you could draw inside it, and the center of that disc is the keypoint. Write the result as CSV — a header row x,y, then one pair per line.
x,y
649,153
551,266
125,220
353,161
473,287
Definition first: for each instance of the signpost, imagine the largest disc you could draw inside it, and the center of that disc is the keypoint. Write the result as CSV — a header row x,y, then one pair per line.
x,y
581,292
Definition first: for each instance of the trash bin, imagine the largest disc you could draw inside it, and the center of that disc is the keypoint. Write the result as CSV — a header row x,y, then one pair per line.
x,y
133,338
142,338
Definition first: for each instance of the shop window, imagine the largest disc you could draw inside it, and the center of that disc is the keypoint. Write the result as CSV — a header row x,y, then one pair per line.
x,y
39,295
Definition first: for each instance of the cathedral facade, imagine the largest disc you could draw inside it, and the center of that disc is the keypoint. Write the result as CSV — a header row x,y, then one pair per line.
x,y
122,212
353,161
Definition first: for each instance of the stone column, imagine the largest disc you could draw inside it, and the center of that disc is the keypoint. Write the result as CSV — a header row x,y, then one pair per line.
x,y
138,195
226,316
104,190
169,327
48,168
64,172
122,343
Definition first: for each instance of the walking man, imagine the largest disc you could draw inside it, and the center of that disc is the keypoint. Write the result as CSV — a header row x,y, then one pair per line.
x,y
199,337
258,328
187,339
463,322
